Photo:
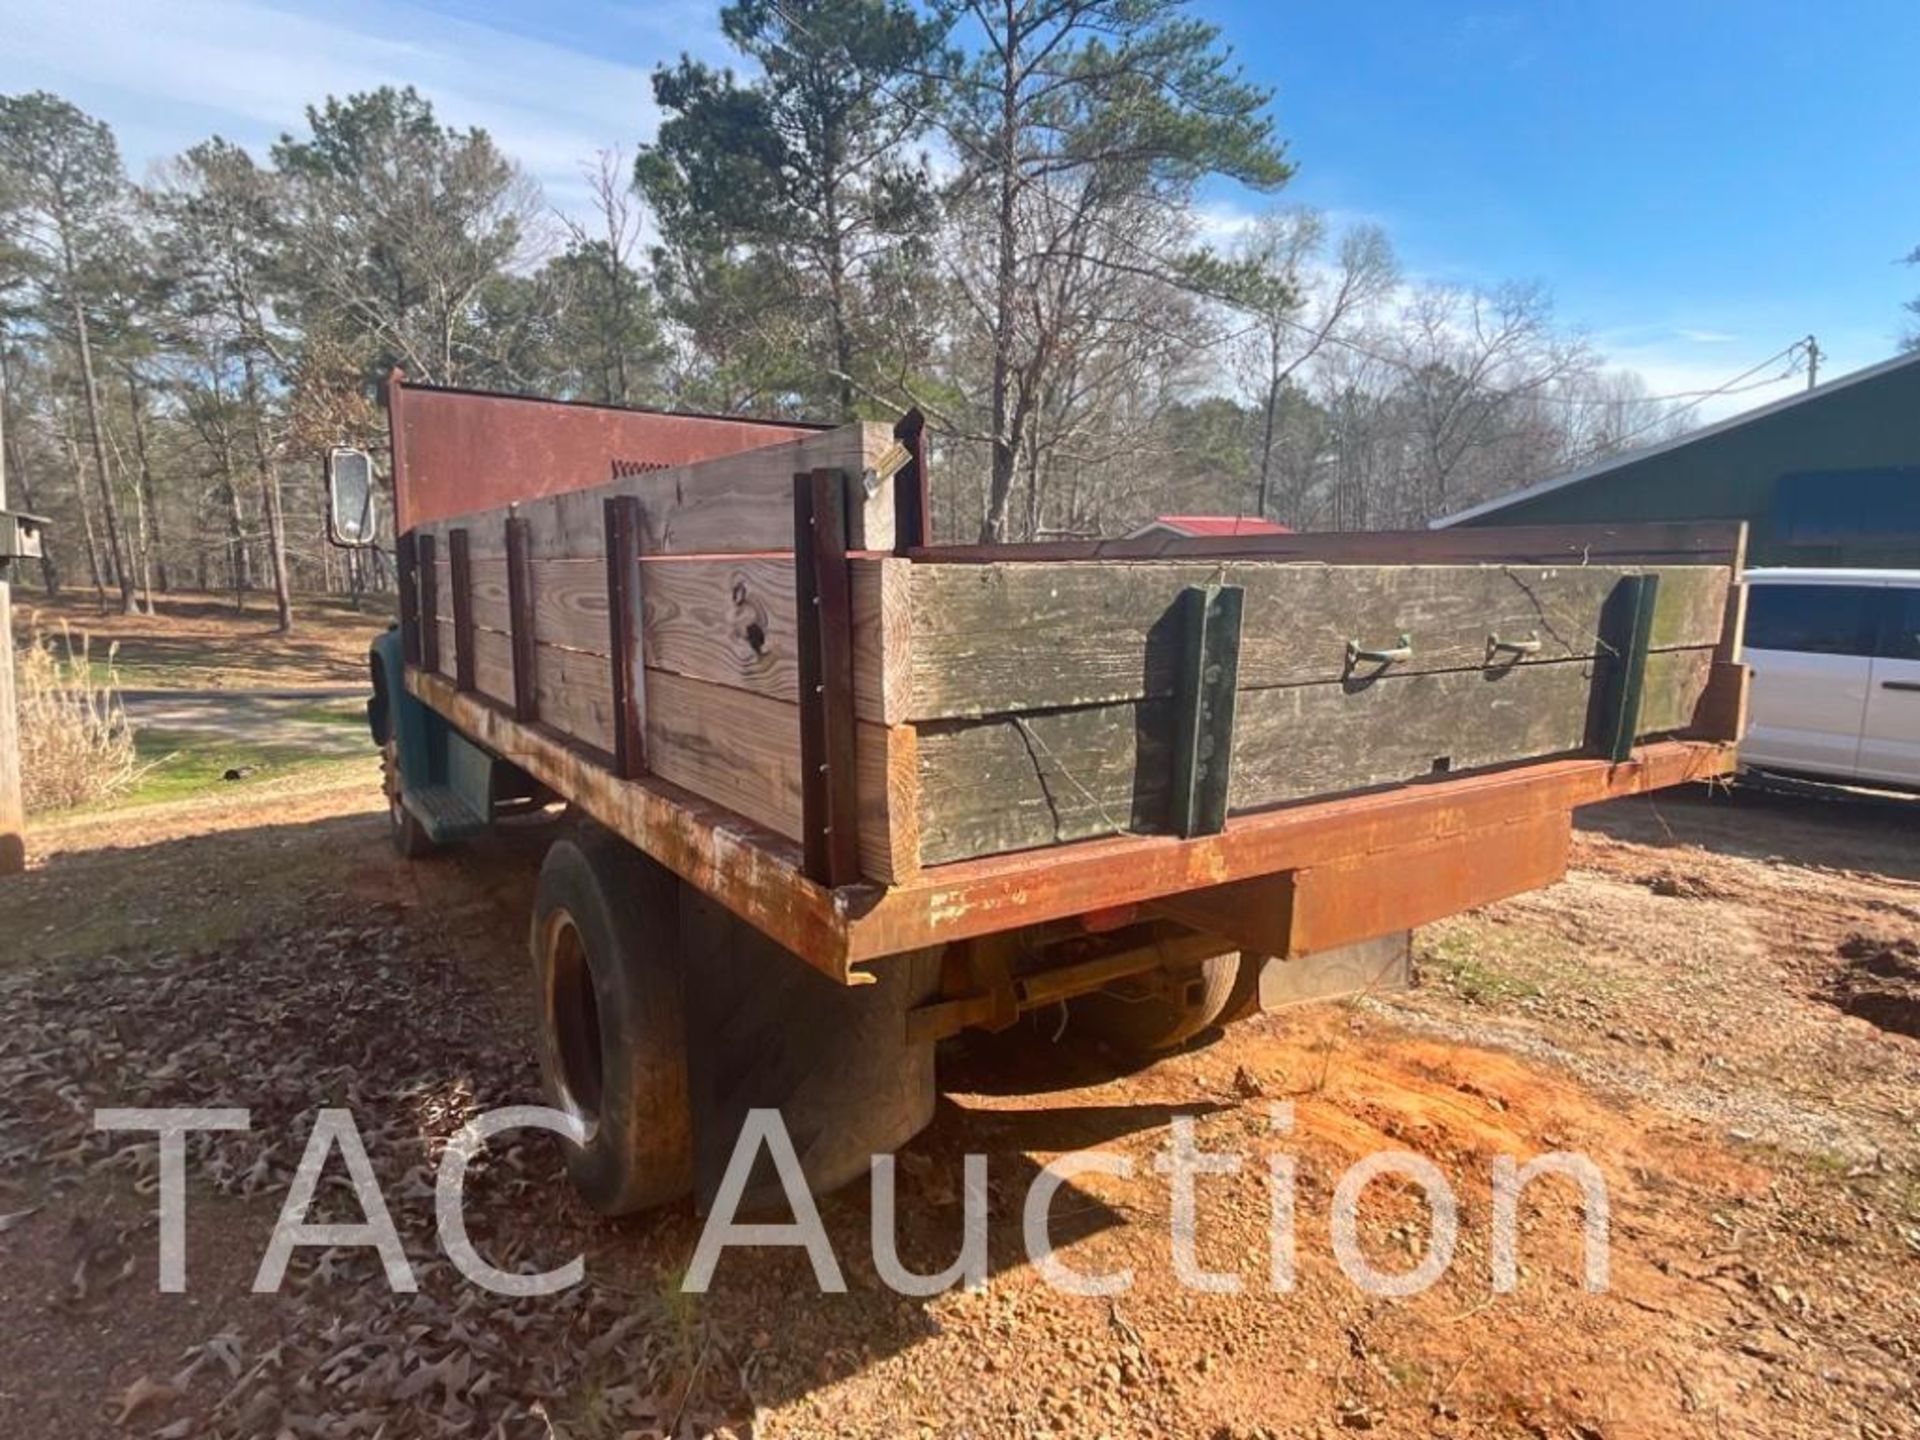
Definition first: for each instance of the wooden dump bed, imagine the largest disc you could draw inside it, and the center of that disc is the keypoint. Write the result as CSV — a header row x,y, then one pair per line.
x,y
871,711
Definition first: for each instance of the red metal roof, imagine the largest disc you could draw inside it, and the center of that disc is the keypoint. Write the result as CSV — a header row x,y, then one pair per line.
x,y
1220,525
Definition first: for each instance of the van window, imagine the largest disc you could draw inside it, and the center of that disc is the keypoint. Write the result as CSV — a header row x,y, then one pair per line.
x,y
1815,619
1900,636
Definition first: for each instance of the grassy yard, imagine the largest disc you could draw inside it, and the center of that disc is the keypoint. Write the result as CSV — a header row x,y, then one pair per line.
x,y
185,764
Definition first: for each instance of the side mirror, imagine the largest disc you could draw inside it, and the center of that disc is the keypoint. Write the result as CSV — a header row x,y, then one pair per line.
x,y
350,519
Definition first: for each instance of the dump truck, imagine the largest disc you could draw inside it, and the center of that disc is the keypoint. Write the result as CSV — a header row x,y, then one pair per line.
x,y
835,793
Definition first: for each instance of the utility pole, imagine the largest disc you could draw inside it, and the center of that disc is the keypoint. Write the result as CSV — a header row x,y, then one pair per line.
x,y
1813,361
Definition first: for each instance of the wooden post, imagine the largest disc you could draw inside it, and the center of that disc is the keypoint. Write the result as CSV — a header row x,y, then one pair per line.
x,y
822,596
625,632
526,702
460,577
13,821
427,587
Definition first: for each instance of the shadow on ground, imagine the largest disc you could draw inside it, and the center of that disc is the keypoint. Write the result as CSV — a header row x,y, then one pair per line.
x,y
287,968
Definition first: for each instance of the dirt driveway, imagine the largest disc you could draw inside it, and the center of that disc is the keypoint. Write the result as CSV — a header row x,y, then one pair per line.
x,y
1678,1010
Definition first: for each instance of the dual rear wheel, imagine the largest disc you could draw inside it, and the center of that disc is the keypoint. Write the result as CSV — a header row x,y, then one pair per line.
x,y
613,1044
1147,1017
606,946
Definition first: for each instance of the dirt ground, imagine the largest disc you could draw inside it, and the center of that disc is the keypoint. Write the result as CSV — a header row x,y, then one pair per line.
x,y
200,641
1677,1009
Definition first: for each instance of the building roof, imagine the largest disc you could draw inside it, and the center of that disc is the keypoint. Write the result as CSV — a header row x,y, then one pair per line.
x,y
1692,437
1213,525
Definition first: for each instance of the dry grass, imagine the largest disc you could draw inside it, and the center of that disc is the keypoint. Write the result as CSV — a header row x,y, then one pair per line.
x,y
76,746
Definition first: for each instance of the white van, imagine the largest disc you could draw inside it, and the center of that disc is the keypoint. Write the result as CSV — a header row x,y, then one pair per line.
x,y
1836,674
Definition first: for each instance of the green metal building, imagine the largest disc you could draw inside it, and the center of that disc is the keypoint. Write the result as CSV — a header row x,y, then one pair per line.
x,y
1829,477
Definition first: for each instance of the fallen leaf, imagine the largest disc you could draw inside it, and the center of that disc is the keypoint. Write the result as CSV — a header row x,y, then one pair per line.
x,y
7,1222
142,1394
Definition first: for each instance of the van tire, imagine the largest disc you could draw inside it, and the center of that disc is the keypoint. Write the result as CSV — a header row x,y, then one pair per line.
x,y
613,1045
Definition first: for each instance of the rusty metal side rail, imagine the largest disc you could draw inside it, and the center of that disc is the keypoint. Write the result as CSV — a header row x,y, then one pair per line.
x,y
759,875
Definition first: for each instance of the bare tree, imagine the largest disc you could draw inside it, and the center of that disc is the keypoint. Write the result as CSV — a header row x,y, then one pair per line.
x,y
1068,114
1299,301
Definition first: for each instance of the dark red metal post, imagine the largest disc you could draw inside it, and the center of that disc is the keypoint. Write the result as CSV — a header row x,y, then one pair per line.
x,y
460,578
406,563
912,499
829,789
526,702
625,629
427,584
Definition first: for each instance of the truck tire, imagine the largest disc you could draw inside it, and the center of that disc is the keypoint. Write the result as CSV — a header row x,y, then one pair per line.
x,y
409,837
613,1042
1244,1002
1138,1021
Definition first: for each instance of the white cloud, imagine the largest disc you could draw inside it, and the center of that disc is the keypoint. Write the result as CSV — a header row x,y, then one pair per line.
x,y
168,74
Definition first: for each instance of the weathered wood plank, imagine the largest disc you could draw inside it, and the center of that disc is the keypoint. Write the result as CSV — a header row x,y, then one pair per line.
x,y
735,503
575,695
1015,782
730,620
569,601
1677,542
492,662
742,751
989,639
493,665
719,618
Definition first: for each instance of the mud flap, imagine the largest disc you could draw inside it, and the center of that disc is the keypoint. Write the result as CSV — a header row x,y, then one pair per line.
x,y
765,1030
1363,968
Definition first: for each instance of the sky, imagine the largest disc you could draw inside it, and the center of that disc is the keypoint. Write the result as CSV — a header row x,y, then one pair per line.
x,y
1697,182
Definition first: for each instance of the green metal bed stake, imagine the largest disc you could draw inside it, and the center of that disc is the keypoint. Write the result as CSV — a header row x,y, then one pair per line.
x,y
1203,721
1626,628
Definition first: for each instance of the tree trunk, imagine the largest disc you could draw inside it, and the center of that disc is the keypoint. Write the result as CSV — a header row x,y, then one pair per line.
x,y
142,556
239,568
993,525
149,498
79,473
270,501
1266,447
90,393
